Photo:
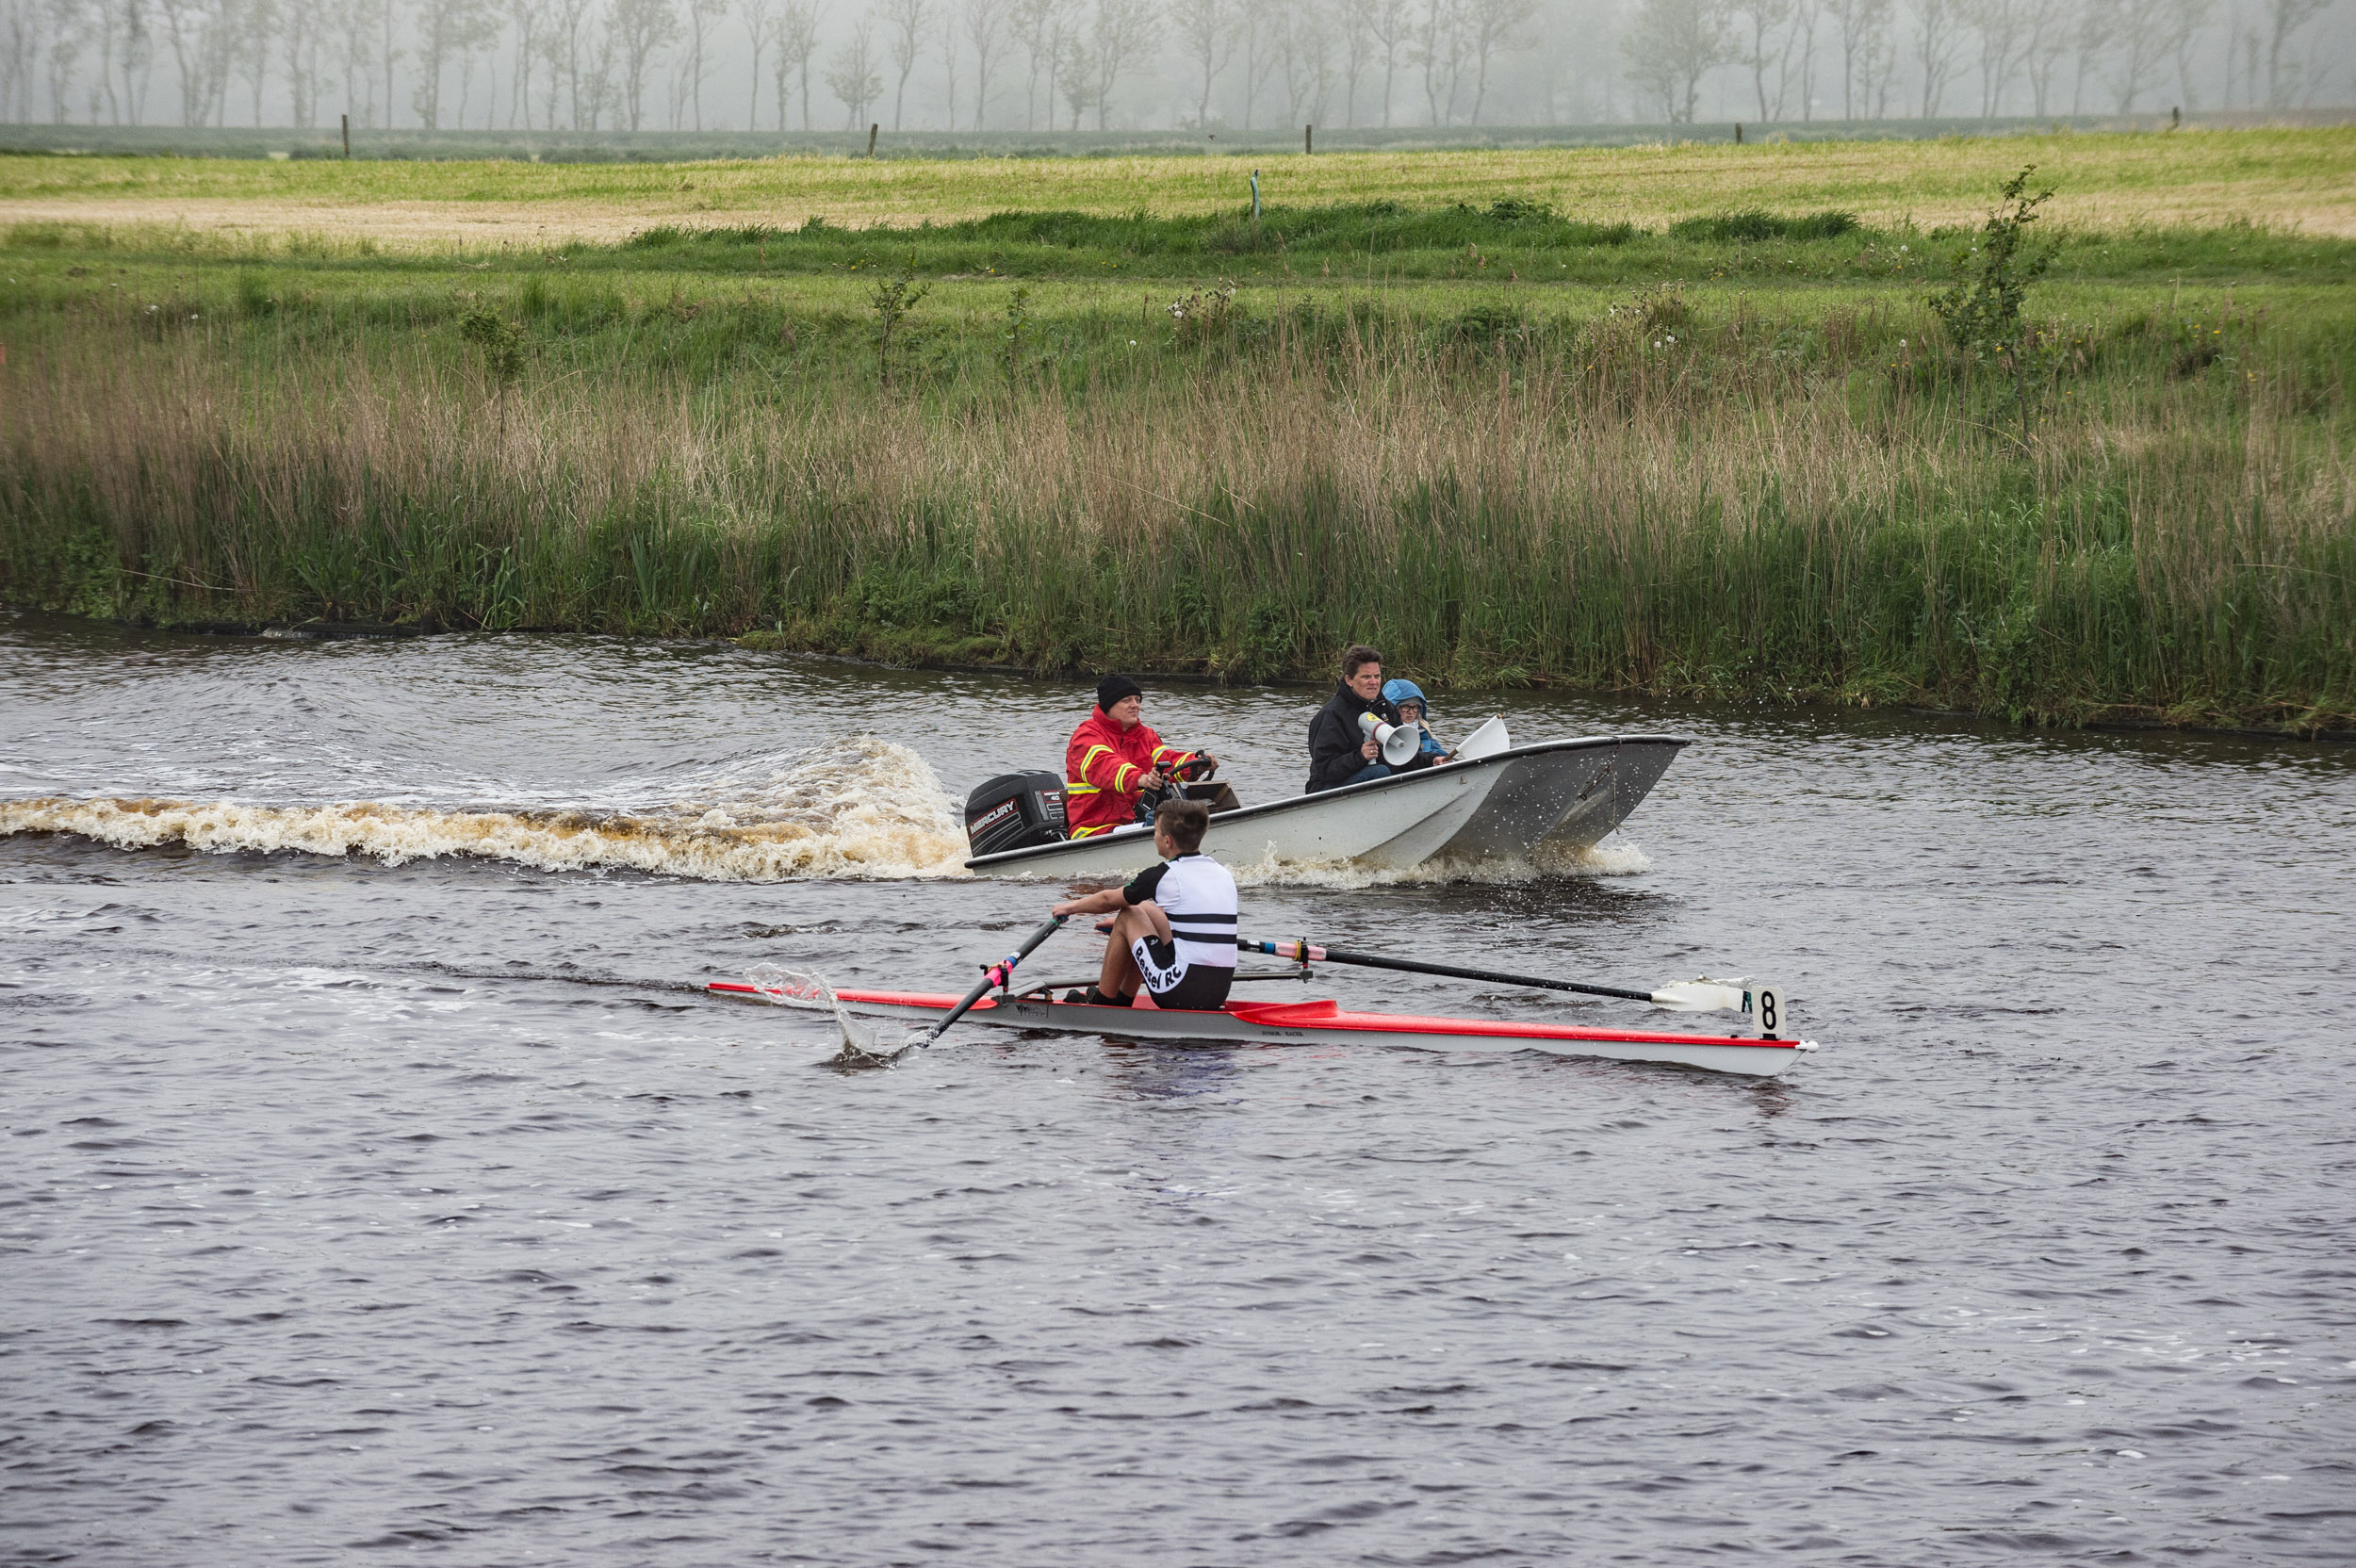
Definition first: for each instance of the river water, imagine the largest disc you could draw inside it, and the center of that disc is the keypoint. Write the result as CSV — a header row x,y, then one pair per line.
x,y
380,1183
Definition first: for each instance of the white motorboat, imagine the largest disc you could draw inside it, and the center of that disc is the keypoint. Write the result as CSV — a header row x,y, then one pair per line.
x,y
1500,804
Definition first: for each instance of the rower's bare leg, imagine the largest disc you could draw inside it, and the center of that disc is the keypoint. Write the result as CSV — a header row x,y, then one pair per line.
x,y
1119,977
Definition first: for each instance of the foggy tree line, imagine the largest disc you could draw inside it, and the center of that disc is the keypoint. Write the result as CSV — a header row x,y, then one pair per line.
x,y
1201,65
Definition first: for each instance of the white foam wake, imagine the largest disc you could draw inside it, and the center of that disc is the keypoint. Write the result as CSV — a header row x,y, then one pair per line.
x,y
863,807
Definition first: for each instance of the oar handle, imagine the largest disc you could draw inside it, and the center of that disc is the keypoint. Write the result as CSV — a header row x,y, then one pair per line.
x,y
1310,953
996,975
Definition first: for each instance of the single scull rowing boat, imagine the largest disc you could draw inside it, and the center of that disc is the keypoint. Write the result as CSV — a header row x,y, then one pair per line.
x,y
1307,1023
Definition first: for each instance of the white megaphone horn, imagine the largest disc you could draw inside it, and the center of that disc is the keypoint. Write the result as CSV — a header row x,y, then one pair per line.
x,y
1399,743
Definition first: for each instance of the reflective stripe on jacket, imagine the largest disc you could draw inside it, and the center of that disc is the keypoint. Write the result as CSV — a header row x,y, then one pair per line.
x,y
1101,765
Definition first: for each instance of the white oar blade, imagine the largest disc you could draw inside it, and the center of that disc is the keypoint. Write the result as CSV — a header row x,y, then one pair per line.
x,y
1701,996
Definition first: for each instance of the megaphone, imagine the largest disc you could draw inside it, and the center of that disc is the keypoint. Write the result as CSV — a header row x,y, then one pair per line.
x,y
1399,743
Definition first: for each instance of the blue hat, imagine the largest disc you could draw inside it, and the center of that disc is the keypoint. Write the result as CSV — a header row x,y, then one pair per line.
x,y
1397,691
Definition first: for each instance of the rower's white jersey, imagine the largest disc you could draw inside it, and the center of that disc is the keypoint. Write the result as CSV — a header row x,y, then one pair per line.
x,y
1198,896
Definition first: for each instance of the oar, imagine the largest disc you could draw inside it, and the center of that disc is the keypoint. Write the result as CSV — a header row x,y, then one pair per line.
x,y
996,975
1694,996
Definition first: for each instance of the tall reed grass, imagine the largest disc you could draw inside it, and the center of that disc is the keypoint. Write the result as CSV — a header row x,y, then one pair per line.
x,y
1713,502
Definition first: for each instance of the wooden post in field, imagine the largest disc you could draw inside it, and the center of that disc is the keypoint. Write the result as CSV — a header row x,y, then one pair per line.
x,y
1255,196
1738,133
871,140
1308,140
347,136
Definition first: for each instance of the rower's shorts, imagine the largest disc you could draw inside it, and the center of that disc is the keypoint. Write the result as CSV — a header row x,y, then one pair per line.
x,y
1174,983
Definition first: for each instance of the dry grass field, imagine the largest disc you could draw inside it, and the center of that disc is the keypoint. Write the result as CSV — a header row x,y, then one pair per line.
x,y
2301,181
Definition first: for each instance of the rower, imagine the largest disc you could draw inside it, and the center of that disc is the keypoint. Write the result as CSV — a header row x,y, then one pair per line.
x,y
1116,769
1173,927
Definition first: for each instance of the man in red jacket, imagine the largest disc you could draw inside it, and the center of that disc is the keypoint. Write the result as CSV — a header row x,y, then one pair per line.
x,y
1114,760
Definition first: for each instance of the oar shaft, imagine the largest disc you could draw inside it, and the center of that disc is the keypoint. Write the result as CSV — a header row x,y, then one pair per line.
x,y
997,974
1310,953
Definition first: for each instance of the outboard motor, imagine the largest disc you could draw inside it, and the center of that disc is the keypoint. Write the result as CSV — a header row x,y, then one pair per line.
x,y
1016,810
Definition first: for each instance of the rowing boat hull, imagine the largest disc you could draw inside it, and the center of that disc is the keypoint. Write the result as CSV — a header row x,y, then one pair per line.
x,y
1320,1023
1565,795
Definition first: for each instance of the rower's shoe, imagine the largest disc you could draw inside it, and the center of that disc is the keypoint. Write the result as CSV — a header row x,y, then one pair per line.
x,y
1076,996
1098,999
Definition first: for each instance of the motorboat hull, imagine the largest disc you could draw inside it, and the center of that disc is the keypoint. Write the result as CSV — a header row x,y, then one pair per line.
x,y
1561,794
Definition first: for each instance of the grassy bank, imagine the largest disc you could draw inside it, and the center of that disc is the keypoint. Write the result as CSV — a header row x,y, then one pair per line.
x,y
1736,460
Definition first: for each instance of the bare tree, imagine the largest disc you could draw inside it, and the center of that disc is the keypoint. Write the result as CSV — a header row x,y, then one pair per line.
x,y
136,56
1256,27
568,45
797,42
1801,39
2091,39
347,30
21,39
1671,47
1864,32
1759,47
256,21
1392,22
2145,41
1305,49
1043,27
948,22
1996,29
1119,36
204,44
760,25
445,28
702,17
1078,77
103,24
1355,19
1439,50
1937,42
636,31
1494,26
300,42
2044,25
2286,17
1206,35
529,19
67,28
855,80
383,16
2186,20
986,31
908,19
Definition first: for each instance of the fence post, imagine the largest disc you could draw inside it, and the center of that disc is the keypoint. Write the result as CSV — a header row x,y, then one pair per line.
x,y
1308,140
871,138
1255,195
1738,133
347,136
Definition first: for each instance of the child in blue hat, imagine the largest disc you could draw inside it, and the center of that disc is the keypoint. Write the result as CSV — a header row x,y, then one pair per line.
x,y
1407,698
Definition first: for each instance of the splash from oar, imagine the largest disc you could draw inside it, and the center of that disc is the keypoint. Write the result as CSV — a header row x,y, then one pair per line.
x,y
864,1043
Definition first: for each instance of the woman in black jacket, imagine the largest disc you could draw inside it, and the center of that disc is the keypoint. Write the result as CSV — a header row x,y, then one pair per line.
x,y
1339,751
